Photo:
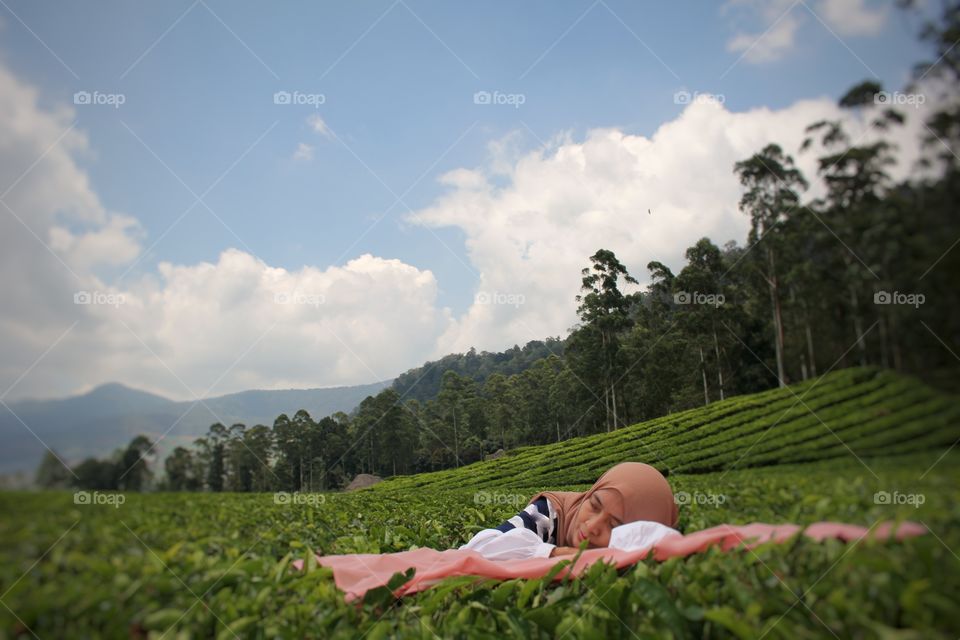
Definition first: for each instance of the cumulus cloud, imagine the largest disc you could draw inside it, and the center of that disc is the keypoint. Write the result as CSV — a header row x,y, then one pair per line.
x,y
232,324
531,218
239,323
530,237
54,231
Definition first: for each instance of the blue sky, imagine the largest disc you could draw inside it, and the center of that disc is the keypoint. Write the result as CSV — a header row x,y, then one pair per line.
x,y
398,94
398,80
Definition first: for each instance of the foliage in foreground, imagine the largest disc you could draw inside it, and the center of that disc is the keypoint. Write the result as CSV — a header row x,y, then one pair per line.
x,y
206,565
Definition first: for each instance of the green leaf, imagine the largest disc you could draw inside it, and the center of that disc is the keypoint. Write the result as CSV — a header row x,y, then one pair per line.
x,y
730,620
234,628
658,601
163,619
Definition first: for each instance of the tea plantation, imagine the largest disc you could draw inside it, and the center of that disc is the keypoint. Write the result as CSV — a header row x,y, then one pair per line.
x,y
857,446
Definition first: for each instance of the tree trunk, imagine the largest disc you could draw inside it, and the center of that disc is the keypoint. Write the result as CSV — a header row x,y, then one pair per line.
x,y
809,336
897,354
716,348
810,352
703,371
606,407
858,326
777,317
613,394
855,309
456,444
884,358
606,379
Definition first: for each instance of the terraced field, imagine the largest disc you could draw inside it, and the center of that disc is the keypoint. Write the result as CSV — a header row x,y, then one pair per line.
x,y
860,412
218,565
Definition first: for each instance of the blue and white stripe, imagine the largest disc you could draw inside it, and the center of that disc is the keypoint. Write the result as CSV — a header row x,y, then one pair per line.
x,y
539,517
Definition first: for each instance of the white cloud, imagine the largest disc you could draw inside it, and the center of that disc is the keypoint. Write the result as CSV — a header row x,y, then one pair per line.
x,y
115,243
304,152
47,202
530,238
184,328
318,125
779,20
531,220
367,320
775,24
853,17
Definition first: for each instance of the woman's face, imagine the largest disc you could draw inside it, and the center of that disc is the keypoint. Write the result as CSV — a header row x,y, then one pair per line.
x,y
597,516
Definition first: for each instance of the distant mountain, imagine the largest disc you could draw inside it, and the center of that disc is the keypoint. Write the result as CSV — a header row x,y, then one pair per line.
x,y
108,417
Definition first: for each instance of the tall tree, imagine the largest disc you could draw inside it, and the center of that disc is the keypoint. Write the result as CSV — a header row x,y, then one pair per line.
x,y
133,469
857,177
179,467
603,308
215,445
701,297
52,473
498,407
770,182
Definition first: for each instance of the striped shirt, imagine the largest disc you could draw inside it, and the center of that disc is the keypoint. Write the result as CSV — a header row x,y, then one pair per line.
x,y
539,517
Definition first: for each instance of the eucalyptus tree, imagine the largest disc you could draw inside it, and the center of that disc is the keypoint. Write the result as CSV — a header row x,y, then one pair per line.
x,y
771,183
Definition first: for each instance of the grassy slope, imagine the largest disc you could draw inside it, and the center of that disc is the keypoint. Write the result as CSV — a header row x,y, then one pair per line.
x,y
858,412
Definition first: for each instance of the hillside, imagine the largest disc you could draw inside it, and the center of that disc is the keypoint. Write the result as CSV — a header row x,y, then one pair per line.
x,y
423,383
857,412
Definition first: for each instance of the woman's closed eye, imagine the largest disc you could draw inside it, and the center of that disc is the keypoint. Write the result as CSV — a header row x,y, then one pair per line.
x,y
597,505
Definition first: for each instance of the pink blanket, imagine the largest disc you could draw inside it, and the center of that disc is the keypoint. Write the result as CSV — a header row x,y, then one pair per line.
x,y
356,573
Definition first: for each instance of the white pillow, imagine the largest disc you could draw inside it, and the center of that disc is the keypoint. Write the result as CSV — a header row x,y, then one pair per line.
x,y
641,534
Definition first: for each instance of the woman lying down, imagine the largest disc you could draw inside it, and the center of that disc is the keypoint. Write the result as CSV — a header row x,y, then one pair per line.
x,y
631,506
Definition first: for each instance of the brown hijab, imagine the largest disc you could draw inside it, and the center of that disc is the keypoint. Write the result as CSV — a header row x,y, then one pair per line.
x,y
644,495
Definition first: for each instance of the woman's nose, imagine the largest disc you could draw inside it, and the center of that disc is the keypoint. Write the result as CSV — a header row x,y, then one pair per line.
x,y
592,524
